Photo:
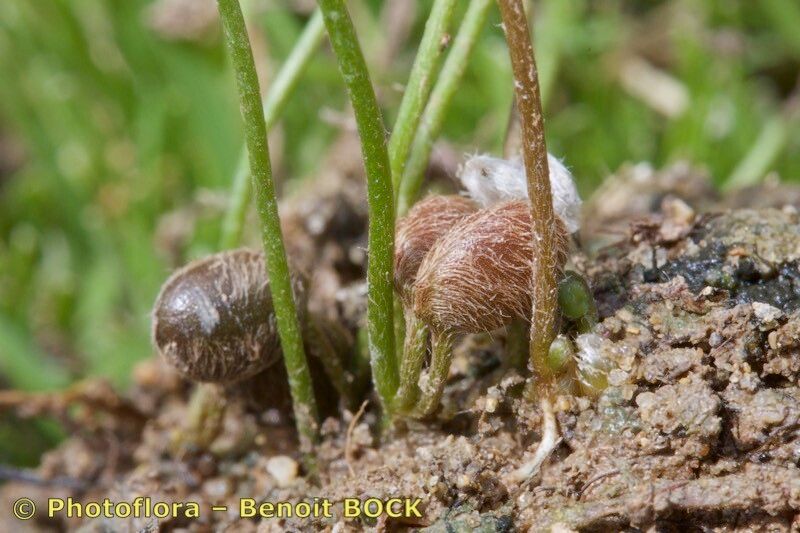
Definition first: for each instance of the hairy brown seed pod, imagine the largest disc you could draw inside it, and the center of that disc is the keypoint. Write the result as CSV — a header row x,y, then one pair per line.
x,y
214,321
417,232
478,276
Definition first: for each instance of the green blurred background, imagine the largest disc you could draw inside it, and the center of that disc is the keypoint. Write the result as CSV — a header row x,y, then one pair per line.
x,y
120,134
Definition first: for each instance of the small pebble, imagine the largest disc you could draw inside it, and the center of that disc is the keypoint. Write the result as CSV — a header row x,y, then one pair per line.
x,y
491,405
772,338
284,469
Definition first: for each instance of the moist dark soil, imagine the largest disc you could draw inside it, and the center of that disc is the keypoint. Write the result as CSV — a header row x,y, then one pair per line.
x,y
698,429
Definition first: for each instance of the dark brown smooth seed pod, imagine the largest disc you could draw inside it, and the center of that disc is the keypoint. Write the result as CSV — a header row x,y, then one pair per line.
x,y
214,320
419,230
478,276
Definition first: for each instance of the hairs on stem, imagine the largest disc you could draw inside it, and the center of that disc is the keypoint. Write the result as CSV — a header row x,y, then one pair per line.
x,y
305,408
414,351
545,262
441,356
274,104
380,197
544,259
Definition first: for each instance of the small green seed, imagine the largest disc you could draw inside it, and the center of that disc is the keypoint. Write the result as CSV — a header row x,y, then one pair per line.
x,y
576,301
560,355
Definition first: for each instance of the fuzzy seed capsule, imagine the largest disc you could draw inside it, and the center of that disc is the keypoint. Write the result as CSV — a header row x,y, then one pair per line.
x,y
214,321
478,276
419,230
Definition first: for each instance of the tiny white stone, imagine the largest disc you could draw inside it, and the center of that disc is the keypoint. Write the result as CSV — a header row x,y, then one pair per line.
x,y
491,405
283,468
765,312
489,180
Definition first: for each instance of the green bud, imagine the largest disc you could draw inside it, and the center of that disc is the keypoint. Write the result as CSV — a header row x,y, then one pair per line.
x,y
560,355
576,301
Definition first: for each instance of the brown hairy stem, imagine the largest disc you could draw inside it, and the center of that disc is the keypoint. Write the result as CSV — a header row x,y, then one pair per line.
x,y
545,263
534,151
414,351
441,356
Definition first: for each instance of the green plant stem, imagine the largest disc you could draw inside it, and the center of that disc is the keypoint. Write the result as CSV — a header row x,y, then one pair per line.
x,y
544,261
441,356
420,81
380,197
762,154
305,408
418,88
399,327
204,420
430,124
274,103
415,348
320,345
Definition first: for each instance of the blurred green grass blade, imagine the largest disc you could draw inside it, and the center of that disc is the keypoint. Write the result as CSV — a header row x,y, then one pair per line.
x,y
785,17
24,365
762,154
553,33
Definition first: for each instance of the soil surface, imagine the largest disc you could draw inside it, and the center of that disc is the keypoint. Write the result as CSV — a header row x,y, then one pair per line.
x,y
698,430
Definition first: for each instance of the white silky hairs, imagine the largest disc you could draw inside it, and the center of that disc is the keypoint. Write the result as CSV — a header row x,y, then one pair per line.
x,y
489,180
